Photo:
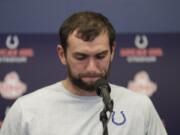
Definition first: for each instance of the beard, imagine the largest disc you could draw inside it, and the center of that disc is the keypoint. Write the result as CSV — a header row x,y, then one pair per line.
x,y
77,80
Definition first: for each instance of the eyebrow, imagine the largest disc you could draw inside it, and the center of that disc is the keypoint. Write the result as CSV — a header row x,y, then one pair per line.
x,y
103,52
82,53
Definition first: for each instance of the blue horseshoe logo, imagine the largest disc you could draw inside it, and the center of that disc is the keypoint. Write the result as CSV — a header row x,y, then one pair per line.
x,y
119,123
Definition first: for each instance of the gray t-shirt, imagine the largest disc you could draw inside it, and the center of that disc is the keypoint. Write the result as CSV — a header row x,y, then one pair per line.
x,y
53,110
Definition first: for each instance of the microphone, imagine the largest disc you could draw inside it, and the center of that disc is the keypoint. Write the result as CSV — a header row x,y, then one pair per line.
x,y
103,90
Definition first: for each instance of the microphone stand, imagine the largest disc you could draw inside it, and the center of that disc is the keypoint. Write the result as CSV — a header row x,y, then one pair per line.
x,y
103,90
104,120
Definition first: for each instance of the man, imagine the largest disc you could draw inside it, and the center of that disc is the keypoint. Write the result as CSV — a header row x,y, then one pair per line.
x,y
71,106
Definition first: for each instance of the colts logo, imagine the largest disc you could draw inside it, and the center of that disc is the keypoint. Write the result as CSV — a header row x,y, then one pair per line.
x,y
141,42
119,122
12,42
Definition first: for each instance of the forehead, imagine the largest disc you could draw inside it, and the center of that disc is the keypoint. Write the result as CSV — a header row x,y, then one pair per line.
x,y
100,43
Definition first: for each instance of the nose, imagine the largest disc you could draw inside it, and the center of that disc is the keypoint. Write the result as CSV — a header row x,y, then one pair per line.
x,y
92,66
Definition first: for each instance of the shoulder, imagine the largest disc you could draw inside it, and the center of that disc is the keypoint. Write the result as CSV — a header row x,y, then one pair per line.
x,y
38,97
134,104
128,97
42,92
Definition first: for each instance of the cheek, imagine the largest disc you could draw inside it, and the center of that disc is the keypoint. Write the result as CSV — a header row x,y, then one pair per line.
x,y
104,65
76,67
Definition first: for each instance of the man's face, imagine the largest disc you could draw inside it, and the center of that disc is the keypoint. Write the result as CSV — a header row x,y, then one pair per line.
x,y
87,61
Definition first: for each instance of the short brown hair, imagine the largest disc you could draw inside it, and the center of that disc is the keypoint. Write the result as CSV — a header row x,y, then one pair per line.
x,y
88,25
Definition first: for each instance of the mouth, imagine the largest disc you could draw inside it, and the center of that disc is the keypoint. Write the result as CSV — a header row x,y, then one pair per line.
x,y
90,79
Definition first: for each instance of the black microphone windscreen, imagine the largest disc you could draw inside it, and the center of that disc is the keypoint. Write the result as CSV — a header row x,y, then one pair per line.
x,y
101,83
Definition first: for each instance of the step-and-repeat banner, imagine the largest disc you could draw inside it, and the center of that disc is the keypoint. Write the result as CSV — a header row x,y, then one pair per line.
x,y
146,63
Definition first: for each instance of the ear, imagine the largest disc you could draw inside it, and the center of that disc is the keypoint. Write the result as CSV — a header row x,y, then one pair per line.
x,y
61,54
113,51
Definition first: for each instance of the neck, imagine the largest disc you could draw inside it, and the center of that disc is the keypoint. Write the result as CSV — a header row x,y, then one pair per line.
x,y
75,90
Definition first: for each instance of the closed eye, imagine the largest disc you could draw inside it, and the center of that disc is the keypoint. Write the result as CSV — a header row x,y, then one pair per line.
x,y
102,55
80,56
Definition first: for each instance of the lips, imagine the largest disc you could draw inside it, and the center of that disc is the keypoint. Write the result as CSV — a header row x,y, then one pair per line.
x,y
90,78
